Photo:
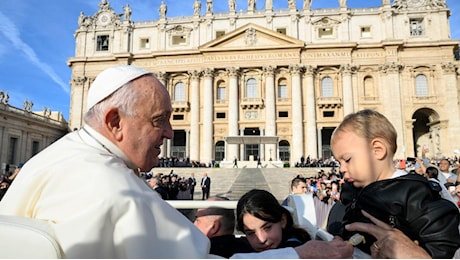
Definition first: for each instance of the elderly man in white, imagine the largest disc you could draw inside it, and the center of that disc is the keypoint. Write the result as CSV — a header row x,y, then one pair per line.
x,y
87,186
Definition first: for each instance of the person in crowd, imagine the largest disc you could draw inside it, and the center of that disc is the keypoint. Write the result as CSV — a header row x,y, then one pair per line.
x,y
267,224
191,184
364,144
445,175
205,186
432,174
235,163
86,185
298,186
218,224
154,182
173,187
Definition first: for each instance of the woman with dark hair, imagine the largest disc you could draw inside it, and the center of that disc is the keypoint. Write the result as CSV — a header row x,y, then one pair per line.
x,y
267,224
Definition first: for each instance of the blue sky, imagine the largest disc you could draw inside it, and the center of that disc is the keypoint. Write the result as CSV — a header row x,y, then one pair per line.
x,y
36,40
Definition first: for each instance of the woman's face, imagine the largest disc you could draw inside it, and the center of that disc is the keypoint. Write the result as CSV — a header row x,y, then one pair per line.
x,y
263,235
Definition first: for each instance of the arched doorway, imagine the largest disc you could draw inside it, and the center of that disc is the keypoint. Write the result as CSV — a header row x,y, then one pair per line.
x,y
220,151
284,149
425,131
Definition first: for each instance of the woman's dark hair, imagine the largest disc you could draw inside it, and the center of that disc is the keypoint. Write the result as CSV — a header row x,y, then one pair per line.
x,y
432,172
263,205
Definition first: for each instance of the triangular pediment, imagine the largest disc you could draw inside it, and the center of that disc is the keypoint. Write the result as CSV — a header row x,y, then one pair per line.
x,y
325,21
252,36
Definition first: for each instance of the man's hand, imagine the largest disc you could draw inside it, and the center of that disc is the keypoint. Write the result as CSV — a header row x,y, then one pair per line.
x,y
337,248
391,242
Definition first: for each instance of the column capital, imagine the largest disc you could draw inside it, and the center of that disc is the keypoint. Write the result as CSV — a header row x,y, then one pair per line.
x,y
194,74
269,70
295,69
449,67
208,73
348,68
233,71
162,76
391,67
79,81
310,70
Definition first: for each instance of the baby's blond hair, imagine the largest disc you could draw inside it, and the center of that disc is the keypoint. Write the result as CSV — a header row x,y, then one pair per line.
x,y
369,124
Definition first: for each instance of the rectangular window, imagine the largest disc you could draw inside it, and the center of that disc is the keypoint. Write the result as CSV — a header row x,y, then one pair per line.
x,y
283,114
12,150
102,43
281,30
145,43
35,147
220,93
366,32
178,117
219,34
220,115
325,33
416,27
328,113
282,91
179,40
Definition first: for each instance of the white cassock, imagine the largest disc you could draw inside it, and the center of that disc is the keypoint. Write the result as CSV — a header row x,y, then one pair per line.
x,y
87,190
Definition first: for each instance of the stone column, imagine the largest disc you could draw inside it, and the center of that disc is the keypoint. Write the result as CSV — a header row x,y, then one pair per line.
x,y
450,141
187,143
233,112
320,143
270,108
242,147
79,90
347,89
208,102
310,135
195,115
392,102
262,146
165,150
297,117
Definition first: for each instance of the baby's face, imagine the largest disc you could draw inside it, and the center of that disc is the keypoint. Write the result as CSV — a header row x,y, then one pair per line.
x,y
355,157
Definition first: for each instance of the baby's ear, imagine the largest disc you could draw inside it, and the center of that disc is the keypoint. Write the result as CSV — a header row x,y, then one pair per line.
x,y
379,148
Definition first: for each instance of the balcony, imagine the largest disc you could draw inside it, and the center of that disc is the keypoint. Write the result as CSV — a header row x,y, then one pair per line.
x,y
252,103
180,106
329,102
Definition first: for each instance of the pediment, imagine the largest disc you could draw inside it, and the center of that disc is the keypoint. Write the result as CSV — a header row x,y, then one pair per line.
x,y
325,21
179,29
252,36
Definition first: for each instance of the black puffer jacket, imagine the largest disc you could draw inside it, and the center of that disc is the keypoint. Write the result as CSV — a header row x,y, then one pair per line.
x,y
410,203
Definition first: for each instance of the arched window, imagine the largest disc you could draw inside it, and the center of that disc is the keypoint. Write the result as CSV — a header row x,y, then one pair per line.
x,y
179,92
421,86
326,87
369,87
251,88
220,93
220,151
282,88
284,149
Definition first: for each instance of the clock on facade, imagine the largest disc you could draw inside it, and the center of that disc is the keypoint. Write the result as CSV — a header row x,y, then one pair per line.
x,y
103,18
415,3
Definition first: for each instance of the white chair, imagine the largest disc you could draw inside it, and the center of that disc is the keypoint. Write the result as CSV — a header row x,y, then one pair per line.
x,y
22,237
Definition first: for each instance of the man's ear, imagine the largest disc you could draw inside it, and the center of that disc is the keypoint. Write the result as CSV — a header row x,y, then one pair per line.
x,y
215,228
113,123
379,148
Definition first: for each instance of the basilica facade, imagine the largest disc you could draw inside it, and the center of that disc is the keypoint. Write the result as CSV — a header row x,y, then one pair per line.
x,y
274,84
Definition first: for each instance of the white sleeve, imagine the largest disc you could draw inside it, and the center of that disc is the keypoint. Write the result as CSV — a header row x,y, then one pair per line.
x,y
284,253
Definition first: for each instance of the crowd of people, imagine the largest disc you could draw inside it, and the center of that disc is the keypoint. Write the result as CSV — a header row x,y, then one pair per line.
x,y
87,186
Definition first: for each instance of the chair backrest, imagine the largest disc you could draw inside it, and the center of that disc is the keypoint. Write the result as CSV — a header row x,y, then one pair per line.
x,y
22,237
